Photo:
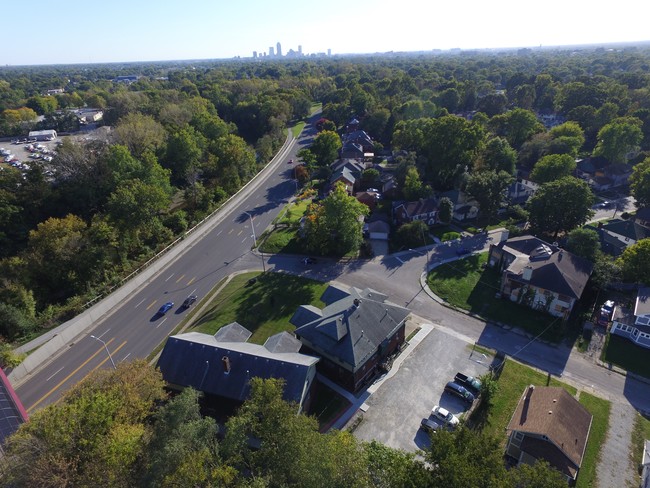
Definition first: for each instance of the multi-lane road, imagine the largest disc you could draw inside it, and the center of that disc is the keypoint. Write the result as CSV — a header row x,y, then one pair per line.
x,y
134,329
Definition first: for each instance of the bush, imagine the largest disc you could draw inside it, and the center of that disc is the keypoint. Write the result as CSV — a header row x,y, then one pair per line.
x,y
450,236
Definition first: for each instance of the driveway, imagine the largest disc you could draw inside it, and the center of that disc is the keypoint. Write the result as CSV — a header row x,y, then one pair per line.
x,y
395,410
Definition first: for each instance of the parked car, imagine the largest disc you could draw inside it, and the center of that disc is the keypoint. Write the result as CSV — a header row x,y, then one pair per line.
x,y
165,308
445,416
187,303
460,391
430,425
307,261
469,382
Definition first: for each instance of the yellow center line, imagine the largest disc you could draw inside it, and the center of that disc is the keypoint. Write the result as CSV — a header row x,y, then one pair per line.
x,y
240,232
179,279
104,361
152,304
190,282
101,348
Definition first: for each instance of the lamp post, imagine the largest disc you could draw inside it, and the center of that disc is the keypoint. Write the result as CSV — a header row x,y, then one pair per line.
x,y
255,241
426,248
107,351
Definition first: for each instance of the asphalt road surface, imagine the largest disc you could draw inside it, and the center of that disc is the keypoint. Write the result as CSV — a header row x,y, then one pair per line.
x,y
135,329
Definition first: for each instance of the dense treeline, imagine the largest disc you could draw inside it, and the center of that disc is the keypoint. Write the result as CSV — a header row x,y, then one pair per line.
x,y
119,429
185,136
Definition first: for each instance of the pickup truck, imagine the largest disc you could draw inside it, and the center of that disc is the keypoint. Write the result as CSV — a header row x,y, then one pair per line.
x,y
468,382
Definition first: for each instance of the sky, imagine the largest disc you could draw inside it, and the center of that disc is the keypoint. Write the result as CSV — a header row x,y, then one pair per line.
x,y
74,31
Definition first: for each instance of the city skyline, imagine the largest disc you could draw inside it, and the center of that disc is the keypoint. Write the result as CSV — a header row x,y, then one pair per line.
x,y
199,29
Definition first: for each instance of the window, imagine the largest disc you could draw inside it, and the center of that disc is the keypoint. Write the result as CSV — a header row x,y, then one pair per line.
x,y
642,320
519,436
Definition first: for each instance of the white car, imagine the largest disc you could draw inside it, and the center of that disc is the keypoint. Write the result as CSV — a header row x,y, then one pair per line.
x,y
445,416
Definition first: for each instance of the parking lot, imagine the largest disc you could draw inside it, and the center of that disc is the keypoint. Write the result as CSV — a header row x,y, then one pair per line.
x,y
397,407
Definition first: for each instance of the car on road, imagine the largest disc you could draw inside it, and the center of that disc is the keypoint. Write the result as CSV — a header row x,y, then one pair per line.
x,y
604,204
459,391
290,161
461,251
430,425
308,261
445,416
469,382
187,303
165,308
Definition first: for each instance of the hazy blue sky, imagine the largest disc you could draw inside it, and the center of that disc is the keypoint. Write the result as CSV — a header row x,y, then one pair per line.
x,y
74,31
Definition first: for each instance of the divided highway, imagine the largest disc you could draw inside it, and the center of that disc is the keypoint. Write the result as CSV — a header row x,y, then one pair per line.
x,y
135,329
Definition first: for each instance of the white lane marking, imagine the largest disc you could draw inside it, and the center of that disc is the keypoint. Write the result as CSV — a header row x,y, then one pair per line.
x,y
103,334
244,240
218,233
140,302
124,358
170,277
161,322
192,292
54,374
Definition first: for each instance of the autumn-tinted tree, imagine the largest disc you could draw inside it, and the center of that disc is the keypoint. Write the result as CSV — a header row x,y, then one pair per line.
x,y
553,167
552,214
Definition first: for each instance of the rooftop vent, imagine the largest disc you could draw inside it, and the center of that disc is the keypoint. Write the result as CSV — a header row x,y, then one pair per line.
x,y
225,361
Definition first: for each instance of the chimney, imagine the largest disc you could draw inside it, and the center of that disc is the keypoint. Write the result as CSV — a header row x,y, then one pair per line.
x,y
560,254
225,361
356,302
504,235
530,391
527,273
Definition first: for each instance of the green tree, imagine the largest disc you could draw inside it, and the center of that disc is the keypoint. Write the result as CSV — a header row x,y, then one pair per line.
x,y
445,210
184,151
335,225
567,138
538,475
390,468
413,234
135,203
517,126
552,215
584,243
464,457
140,133
326,147
370,177
553,167
15,322
618,138
640,183
488,188
499,156
413,188
635,262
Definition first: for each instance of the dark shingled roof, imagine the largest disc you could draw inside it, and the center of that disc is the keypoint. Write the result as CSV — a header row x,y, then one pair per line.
x,y
197,360
12,412
419,207
352,328
552,412
553,269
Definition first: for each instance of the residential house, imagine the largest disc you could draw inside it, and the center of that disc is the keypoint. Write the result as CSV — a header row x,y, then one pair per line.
x,y
12,412
540,275
361,138
352,150
222,365
355,167
424,209
549,424
346,177
617,235
389,186
352,125
642,217
353,334
618,173
377,229
368,198
520,191
465,207
634,324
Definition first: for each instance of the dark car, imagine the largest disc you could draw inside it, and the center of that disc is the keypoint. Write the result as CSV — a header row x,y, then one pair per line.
x,y
290,161
459,391
430,425
189,301
165,308
469,382
307,261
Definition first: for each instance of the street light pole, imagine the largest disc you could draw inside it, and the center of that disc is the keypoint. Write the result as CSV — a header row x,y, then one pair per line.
x,y
426,248
255,241
107,351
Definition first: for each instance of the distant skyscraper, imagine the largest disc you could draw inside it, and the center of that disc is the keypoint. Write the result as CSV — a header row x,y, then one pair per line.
x,y
271,52
300,50
329,52
279,46
254,54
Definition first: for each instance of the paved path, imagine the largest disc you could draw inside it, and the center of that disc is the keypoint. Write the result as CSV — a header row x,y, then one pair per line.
x,y
615,467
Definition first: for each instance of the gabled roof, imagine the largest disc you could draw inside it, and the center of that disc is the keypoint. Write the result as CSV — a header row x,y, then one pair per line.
x,y
233,332
345,174
352,165
352,328
552,412
351,146
199,360
419,207
627,228
552,268
333,293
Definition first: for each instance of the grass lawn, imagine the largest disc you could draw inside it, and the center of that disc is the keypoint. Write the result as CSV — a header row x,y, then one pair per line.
x,y
640,433
284,240
514,379
297,129
293,212
444,230
624,353
264,307
599,408
465,284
